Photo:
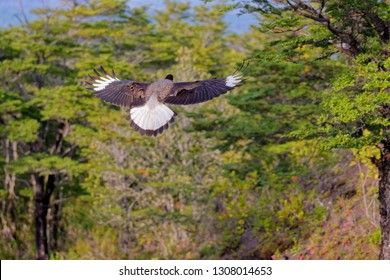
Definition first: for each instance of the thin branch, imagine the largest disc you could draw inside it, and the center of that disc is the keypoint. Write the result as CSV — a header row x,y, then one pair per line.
x,y
322,7
325,56
306,7
21,7
310,13
380,27
366,207
314,15
23,90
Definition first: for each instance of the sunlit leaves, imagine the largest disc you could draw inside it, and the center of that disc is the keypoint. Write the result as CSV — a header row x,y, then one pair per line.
x,y
24,130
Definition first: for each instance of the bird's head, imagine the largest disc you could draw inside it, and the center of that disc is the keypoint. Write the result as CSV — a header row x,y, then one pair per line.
x,y
169,77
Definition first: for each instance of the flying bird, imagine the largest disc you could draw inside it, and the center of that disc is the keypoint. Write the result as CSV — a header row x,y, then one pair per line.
x,y
149,113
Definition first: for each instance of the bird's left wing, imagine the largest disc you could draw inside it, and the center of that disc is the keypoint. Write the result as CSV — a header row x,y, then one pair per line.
x,y
185,93
125,93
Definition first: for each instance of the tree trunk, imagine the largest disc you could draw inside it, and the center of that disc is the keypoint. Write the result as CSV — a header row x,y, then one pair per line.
x,y
56,221
42,196
384,200
40,214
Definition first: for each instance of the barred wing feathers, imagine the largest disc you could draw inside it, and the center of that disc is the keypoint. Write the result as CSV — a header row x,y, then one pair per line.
x,y
125,93
186,93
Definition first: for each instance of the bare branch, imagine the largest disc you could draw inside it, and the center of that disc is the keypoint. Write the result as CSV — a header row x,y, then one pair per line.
x,y
322,7
21,7
306,7
23,90
309,12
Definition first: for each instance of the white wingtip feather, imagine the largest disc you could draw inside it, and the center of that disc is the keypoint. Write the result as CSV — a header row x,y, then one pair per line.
x,y
102,82
233,80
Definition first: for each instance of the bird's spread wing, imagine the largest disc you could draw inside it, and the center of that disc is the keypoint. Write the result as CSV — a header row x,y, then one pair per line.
x,y
125,93
185,93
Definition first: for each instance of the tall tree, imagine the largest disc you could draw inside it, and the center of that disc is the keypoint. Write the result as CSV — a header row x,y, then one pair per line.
x,y
355,109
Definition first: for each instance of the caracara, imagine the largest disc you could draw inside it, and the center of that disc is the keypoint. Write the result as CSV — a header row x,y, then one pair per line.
x,y
148,112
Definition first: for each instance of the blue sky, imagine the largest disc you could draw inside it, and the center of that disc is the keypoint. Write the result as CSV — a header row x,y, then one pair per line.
x,y
10,8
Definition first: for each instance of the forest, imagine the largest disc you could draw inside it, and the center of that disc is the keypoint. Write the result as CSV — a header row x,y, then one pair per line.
x,y
293,164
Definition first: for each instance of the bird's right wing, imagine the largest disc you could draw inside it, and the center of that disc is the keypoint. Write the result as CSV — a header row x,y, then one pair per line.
x,y
125,93
185,93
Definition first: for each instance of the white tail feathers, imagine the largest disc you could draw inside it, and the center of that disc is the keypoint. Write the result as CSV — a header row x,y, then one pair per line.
x,y
151,121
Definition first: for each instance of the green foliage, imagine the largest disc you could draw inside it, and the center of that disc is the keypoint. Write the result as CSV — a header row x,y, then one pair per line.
x,y
242,176
24,130
356,109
